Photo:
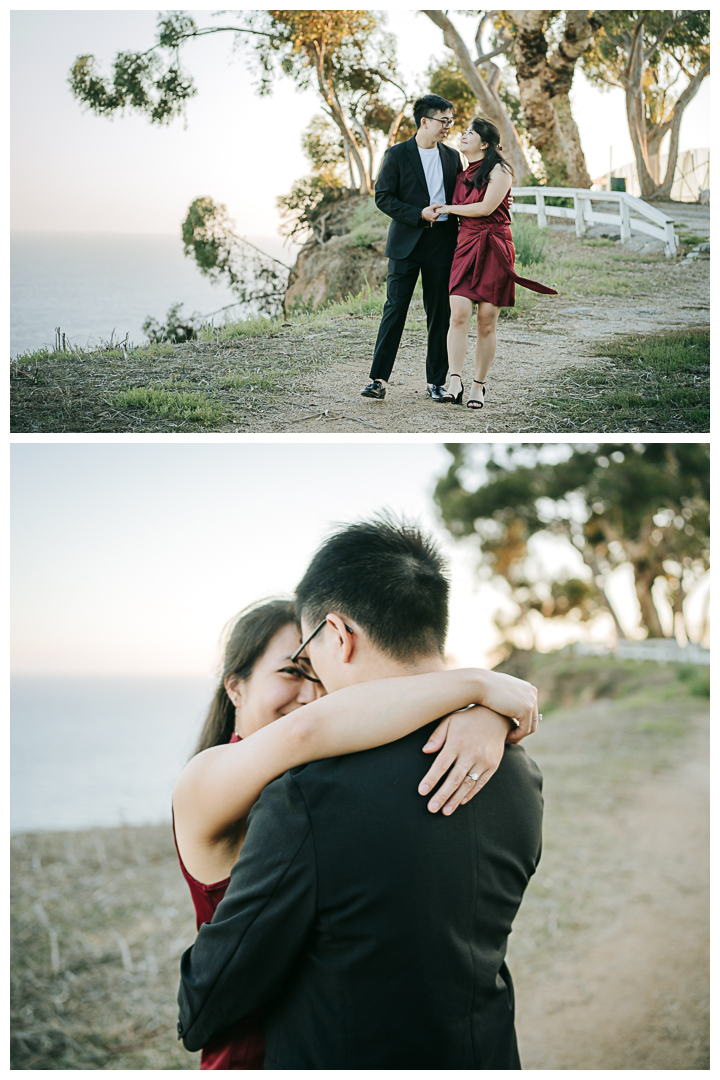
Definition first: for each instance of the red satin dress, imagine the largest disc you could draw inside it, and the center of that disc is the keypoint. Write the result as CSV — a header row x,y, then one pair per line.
x,y
243,1045
483,267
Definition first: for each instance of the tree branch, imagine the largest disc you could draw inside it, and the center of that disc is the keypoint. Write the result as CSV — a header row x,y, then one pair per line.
x,y
664,33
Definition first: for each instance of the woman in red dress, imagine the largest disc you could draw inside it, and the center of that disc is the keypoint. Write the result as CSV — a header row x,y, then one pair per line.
x,y
269,715
483,267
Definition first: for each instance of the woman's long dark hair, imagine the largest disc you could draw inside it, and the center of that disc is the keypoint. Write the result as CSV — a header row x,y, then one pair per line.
x,y
490,135
250,633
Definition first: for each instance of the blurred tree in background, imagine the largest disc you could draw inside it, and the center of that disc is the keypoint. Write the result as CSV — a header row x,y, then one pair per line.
x,y
659,58
642,505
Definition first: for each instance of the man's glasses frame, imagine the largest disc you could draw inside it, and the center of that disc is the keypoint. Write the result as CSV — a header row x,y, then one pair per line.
x,y
300,661
445,122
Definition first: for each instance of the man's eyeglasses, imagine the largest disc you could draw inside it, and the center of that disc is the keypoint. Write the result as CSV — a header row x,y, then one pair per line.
x,y
445,123
301,661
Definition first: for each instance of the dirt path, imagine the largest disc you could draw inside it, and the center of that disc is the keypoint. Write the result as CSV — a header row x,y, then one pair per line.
x,y
629,991
551,335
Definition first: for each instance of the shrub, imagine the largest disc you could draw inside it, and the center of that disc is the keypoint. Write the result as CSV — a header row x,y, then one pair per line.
x,y
368,225
529,241
177,327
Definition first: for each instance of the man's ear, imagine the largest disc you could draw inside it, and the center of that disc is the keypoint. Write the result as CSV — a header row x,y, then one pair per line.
x,y
232,686
345,641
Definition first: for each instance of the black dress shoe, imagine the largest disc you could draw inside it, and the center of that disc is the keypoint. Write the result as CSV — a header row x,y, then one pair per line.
x,y
437,392
374,389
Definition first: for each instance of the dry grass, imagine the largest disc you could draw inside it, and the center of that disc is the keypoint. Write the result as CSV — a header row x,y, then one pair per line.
x,y
100,919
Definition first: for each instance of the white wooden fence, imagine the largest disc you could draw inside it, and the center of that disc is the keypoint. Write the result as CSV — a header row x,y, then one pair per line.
x,y
632,214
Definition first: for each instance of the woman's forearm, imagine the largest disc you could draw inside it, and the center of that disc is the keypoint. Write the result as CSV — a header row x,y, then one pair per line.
x,y
220,785
471,210
373,713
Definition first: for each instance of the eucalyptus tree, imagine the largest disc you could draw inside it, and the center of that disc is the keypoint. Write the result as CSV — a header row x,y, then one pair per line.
x,y
484,86
543,48
660,59
645,506
346,55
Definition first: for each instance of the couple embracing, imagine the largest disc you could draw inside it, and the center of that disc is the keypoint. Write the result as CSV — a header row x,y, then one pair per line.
x,y
357,828
423,187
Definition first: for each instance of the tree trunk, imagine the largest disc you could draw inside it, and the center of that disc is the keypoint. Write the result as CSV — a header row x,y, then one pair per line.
x,y
544,83
647,145
577,173
395,126
490,104
665,188
365,136
643,588
589,558
530,55
326,89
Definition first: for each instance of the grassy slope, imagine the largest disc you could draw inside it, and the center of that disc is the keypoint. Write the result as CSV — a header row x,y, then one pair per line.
x,y
121,915
223,382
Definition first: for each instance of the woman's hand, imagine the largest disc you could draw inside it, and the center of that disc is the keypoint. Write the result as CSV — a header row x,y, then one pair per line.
x,y
473,741
440,208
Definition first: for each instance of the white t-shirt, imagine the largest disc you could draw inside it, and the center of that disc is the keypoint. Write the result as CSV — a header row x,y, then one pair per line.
x,y
432,166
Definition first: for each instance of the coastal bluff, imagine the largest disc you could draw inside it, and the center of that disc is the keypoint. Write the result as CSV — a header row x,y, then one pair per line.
x,y
343,256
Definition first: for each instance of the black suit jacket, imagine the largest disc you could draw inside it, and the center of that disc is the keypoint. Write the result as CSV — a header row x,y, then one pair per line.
x,y
402,193
370,933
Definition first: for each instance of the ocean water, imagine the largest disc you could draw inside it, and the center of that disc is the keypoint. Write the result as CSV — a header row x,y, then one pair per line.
x,y
90,284
99,752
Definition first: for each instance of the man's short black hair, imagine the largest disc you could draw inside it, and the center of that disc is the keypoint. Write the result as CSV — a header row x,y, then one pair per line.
x,y
387,576
429,105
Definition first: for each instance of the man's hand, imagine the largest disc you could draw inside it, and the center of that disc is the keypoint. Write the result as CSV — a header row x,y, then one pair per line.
x,y
440,208
429,214
511,199
472,741
511,697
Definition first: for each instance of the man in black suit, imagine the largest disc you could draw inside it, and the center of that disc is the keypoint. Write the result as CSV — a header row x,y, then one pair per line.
x,y
414,175
367,932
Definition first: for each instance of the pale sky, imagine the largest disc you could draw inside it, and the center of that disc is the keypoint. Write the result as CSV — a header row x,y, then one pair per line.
x,y
72,171
128,559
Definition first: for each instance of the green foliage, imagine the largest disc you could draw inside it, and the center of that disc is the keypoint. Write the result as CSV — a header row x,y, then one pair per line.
x,y
141,82
170,405
208,237
323,148
446,79
646,505
529,241
176,328
309,197
368,225
686,44
254,277
697,678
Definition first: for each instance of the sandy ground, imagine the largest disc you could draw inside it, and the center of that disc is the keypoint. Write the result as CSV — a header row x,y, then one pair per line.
x,y
632,992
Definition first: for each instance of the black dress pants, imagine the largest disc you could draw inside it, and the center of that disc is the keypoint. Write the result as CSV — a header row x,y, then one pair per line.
x,y
432,257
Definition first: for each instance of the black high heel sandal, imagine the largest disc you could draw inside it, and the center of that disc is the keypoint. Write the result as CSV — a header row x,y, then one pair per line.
x,y
455,399
476,403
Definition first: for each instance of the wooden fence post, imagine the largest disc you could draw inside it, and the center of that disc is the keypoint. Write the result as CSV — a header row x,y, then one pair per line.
x,y
625,230
580,226
541,215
